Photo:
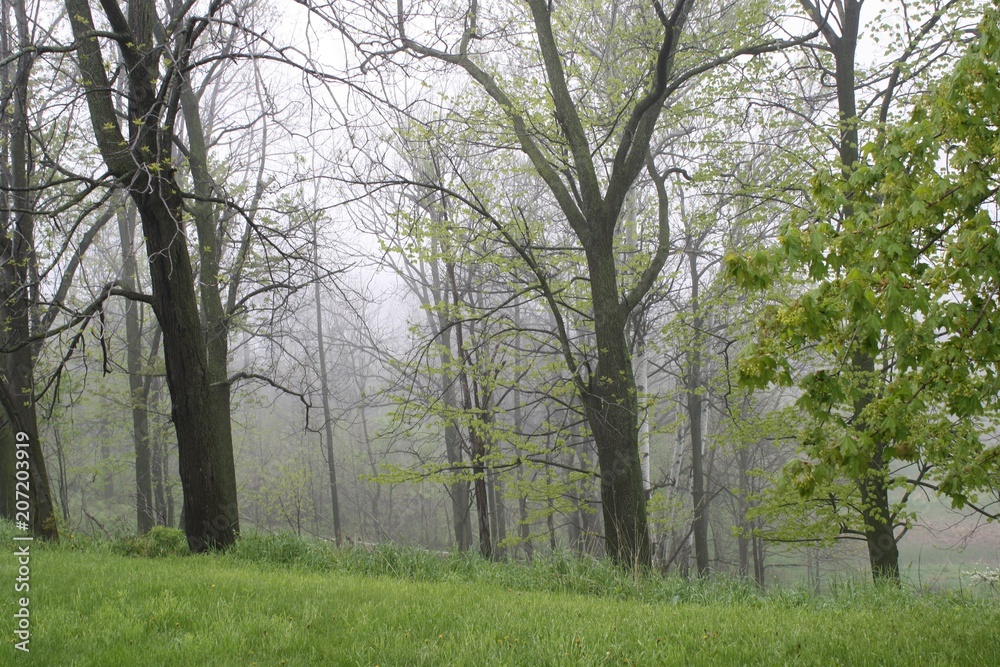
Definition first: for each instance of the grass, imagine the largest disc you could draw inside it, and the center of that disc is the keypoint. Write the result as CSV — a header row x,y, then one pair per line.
x,y
281,601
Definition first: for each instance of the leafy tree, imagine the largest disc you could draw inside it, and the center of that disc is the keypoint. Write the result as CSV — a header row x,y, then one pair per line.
x,y
581,100
908,279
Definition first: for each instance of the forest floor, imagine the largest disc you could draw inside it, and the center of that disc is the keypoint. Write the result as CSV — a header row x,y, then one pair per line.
x,y
279,601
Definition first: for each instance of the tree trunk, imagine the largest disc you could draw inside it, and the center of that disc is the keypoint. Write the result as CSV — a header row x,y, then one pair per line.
x,y
214,320
20,291
612,408
482,502
142,166
145,519
693,388
204,444
158,447
498,524
882,551
758,560
459,489
523,529
325,388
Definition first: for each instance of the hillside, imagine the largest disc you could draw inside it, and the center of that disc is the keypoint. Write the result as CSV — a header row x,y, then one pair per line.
x,y
91,606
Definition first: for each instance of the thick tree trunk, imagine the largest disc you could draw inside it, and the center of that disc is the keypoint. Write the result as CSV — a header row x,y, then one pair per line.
x,y
204,444
142,166
498,523
612,411
214,322
883,553
482,503
19,404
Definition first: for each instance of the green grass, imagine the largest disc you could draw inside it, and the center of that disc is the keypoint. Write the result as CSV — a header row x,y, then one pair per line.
x,y
277,600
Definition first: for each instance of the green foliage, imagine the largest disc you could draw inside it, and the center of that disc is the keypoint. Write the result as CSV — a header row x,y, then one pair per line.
x,y
897,263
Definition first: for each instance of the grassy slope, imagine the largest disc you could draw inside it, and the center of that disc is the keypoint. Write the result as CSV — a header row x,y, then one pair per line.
x,y
95,608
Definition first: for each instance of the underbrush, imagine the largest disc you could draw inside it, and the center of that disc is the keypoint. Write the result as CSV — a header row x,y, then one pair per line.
x,y
558,572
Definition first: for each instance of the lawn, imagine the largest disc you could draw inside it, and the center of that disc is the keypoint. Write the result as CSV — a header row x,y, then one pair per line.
x,y
96,607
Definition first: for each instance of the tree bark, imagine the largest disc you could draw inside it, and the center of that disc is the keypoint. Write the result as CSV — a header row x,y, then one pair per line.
x,y
458,490
879,534
7,470
523,529
143,167
325,388
612,411
145,518
477,440
498,523
20,288
693,388
214,318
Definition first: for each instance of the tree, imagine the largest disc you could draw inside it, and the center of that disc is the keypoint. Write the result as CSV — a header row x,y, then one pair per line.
x,y
586,136
138,386
19,286
325,390
36,258
899,309
143,166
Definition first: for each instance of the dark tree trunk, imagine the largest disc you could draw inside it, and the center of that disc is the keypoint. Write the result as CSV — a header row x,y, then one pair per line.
x,y
457,490
142,166
498,524
482,508
204,445
758,560
523,529
612,410
882,551
19,292
550,523
214,320
699,521
158,448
